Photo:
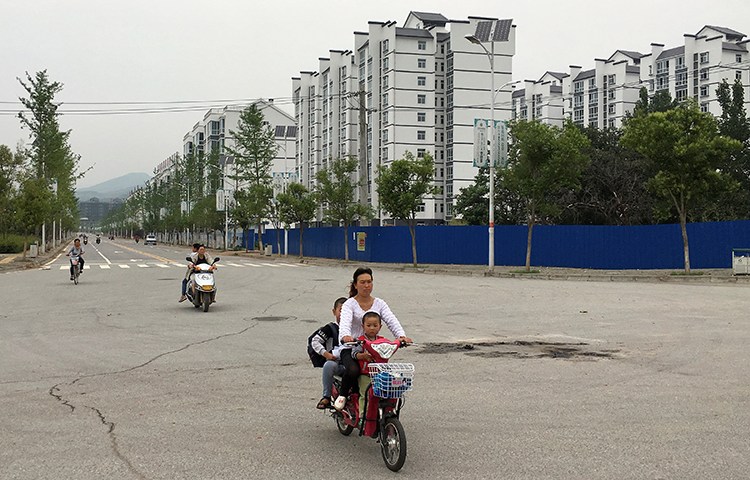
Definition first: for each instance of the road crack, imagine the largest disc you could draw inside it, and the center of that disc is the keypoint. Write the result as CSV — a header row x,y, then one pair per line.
x,y
56,392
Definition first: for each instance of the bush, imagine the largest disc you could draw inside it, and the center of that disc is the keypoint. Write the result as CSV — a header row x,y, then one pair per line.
x,y
13,243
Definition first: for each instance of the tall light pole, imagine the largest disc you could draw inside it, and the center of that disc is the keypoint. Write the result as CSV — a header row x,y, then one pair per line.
x,y
491,32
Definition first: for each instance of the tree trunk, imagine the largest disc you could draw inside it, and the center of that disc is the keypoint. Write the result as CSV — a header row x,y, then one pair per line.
x,y
260,238
413,233
278,242
528,243
685,247
346,243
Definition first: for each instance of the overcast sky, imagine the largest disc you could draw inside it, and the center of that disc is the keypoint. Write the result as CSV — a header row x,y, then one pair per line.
x,y
202,51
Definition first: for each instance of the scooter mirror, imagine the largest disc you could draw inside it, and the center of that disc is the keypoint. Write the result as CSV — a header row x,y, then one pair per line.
x,y
189,259
216,259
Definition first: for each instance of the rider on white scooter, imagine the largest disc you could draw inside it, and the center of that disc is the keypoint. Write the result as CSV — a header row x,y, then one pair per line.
x,y
203,257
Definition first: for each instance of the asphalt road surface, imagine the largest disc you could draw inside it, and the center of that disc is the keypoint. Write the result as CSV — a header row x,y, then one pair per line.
x,y
515,379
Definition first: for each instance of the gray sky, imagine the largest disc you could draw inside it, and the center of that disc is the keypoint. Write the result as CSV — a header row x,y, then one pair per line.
x,y
204,51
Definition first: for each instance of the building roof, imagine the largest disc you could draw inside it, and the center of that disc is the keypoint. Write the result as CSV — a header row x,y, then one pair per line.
x,y
672,52
731,34
734,47
412,32
557,75
555,89
518,93
431,18
585,74
630,53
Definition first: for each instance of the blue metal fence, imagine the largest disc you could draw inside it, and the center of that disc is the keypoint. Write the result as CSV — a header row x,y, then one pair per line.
x,y
574,246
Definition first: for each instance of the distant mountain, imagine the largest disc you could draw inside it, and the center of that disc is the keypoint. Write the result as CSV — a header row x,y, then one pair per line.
x,y
118,187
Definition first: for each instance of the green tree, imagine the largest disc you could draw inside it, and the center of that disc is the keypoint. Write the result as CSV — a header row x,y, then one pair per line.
x,y
34,205
613,185
252,204
545,162
733,122
402,186
685,149
472,202
51,158
297,205
254,150
336,192
11,168
661,101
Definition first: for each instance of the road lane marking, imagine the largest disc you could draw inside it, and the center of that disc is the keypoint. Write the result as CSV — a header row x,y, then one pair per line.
x,y
102,255
104,267
270,265
234,264
142,265
288,265
161,265
124,266
252,265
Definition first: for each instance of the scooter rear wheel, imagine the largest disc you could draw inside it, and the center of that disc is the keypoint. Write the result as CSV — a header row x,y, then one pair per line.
x,y
393,444
344,429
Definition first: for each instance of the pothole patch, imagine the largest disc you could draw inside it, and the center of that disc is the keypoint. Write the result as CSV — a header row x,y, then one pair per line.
x,y
522,349
272,319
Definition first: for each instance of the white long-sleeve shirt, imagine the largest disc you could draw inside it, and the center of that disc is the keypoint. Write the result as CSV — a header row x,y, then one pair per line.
x,y
351,318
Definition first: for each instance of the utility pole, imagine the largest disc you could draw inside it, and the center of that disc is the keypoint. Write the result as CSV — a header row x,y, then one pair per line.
x,y
363,170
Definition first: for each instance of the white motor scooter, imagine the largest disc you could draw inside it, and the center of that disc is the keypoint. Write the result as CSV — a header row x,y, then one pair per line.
x,y
201,289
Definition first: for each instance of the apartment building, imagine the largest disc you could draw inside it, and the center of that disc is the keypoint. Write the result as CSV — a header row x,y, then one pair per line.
x,y
601,97
213,134
412,88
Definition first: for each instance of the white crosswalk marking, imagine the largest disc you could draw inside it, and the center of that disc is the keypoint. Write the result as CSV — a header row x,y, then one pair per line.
x,y
270,265
252,265
168,265
104,267
234,264
161,265
142,265
124,266
288,265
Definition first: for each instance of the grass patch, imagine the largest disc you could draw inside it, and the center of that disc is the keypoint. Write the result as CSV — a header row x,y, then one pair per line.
x,y
684,273
524,272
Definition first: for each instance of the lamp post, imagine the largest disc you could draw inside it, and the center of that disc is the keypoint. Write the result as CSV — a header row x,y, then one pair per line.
x,y
491,56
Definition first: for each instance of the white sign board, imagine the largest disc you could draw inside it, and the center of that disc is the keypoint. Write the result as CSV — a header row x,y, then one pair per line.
x,y
483,132
220,200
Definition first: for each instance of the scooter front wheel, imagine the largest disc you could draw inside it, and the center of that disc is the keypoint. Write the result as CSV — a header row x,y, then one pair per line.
x,y
393,443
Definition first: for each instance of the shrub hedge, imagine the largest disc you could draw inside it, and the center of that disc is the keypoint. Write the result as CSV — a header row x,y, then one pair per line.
x,y
13,243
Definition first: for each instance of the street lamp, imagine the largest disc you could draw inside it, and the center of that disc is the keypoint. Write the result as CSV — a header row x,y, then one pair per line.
x,y
491,32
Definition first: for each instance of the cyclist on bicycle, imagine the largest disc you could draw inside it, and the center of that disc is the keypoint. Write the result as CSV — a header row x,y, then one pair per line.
x,y
76,251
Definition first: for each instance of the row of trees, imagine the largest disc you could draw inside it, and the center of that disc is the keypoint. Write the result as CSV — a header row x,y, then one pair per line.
x,y
37,180
668,163
187,199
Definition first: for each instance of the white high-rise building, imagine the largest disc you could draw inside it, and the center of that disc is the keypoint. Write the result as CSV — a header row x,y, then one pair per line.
x,y
602,97
413,88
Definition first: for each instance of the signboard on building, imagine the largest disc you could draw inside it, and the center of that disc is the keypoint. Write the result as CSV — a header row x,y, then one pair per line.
x,y
220,200
361,239
480,142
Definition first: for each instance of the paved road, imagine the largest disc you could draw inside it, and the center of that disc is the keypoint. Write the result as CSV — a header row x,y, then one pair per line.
x,y
526,380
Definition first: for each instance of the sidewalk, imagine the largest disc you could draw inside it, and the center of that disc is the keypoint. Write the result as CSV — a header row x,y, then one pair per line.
x,y
15,261
697,276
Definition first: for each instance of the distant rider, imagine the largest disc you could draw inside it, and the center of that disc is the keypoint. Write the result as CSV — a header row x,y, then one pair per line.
x,y
189,272
76,251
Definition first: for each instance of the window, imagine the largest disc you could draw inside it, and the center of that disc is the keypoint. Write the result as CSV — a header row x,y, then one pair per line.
x,y
611,95
578,87
592,83
704,90
679,63
385,118
738,58
593,98
704,74
385,63
681,95
421,99
421,63
421,117
593,112
385,135
421,45
421,81
611,79
704,57
420,152
738,74
421,135
704,107
681,79
385,81
385,99
385,46
662,67
611,109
